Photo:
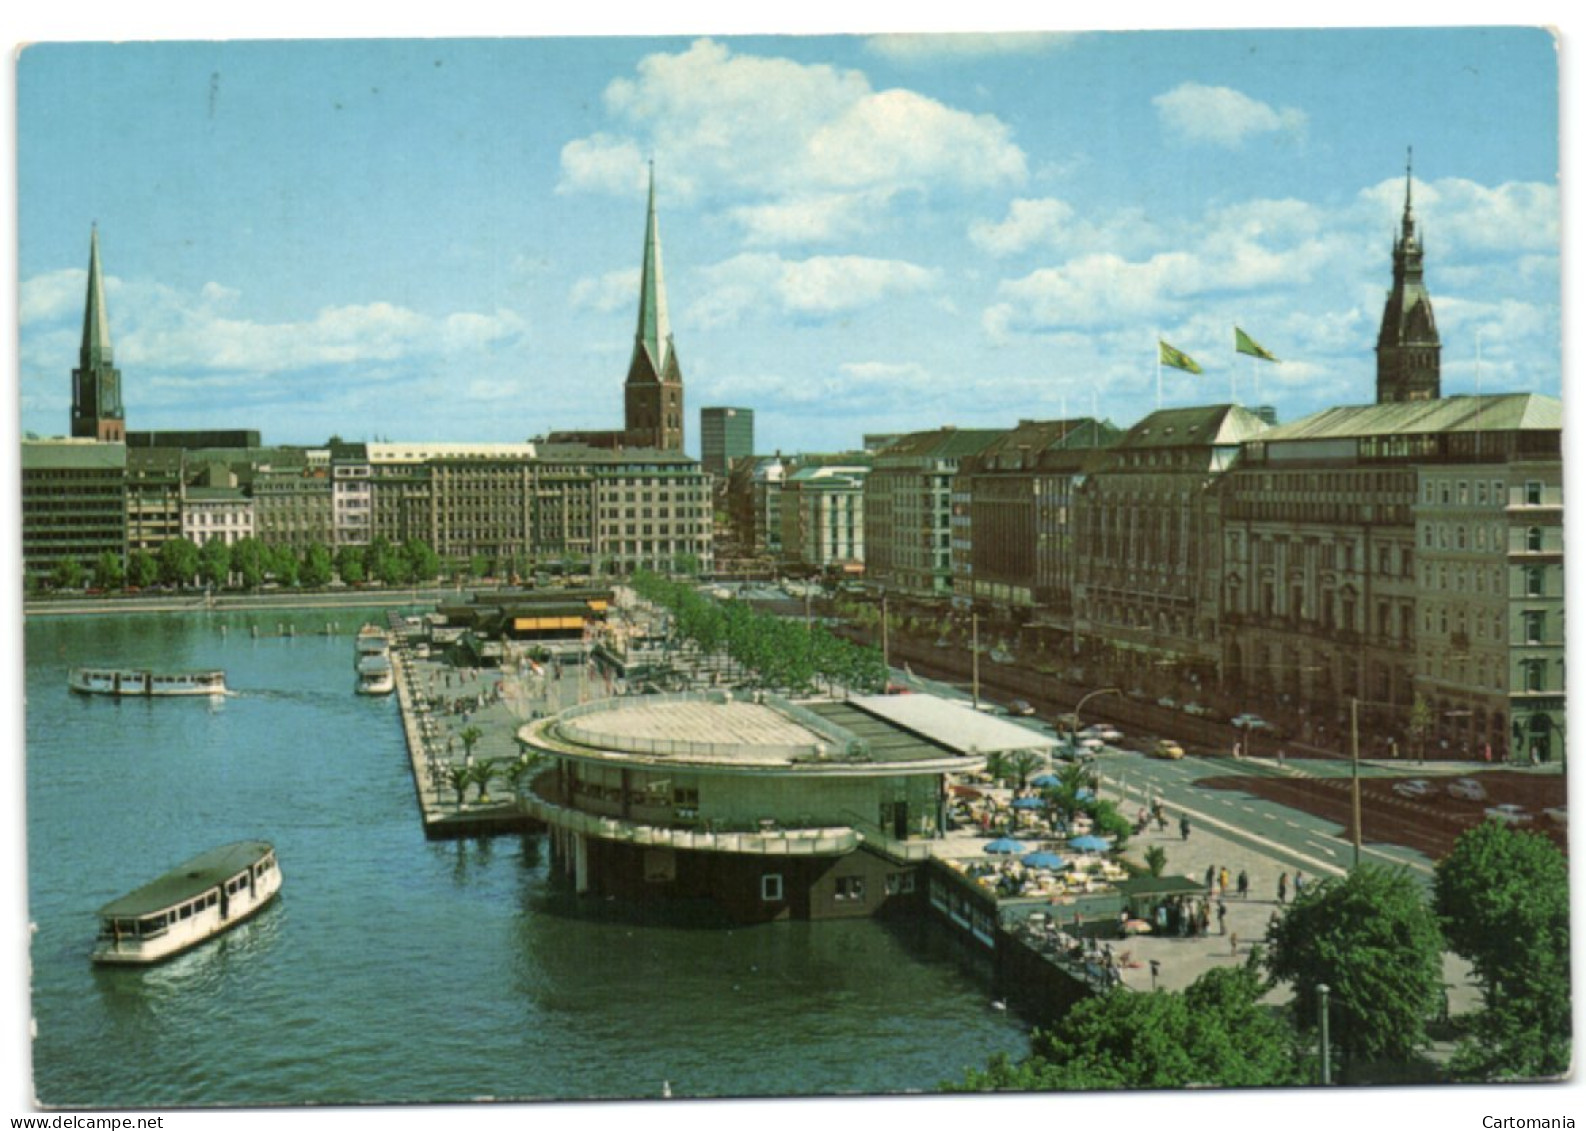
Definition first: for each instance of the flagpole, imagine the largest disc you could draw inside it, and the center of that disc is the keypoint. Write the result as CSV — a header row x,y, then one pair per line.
x,y
1478,392
1159,371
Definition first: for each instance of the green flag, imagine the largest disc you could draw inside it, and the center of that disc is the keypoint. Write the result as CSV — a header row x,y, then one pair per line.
x,y
1245,344
1176,358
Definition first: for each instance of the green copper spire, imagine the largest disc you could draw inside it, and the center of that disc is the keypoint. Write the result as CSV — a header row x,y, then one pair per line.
x,y
96,319
655,329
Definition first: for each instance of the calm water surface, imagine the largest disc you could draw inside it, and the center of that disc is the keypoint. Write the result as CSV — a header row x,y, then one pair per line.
x,y
394,969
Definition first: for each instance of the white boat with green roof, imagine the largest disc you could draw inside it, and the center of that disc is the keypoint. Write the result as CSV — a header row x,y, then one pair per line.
x,y
190,904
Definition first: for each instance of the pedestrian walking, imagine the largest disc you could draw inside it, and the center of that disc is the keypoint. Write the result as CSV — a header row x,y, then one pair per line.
x,y
1222,882
1283,887
1183,827
1211,877
1222,918
1280,757
1299,883
1237,750
1244,884
1233,943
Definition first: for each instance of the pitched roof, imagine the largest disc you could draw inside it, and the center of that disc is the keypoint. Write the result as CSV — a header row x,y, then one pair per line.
x,y
1199,426
1503,412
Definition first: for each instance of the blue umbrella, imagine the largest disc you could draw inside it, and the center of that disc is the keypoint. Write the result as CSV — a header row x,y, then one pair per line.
x,y
1029,803
1084,795
1089,844
1045,860
1046,781
1003,846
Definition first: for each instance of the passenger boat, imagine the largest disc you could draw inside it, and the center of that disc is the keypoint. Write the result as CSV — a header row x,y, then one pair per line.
x,y
122,681
375,676
372,641
193,902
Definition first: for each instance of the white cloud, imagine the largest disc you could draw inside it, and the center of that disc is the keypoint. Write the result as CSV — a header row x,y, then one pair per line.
x,y
1219,115
57,294
915,46
793,139
609,292
1030,223
821,286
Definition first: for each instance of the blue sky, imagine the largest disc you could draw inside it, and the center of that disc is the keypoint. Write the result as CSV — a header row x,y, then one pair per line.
x,y
440,239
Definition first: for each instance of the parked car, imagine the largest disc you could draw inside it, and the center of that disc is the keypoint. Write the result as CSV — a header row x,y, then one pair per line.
x,y
1167,701
1250,722
1111,735
1167,748
1020,707
1417,790
1508,814
1467,789
1199,711
1559,815
1091,744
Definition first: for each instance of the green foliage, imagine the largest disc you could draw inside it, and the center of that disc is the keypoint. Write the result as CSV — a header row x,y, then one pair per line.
x,y
142,569
108,573
1421,722
67,574
1108,822
282,564
1213,1034
1502,896
1156,859
318,566
214,562
178,561
469,737
424,564
248,562
350,565
1372,939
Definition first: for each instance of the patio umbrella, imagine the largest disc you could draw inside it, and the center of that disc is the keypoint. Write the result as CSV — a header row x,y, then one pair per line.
x,y
1003,846
966,791
1029,803
1084,795
1045,781
1045,860
1089,844
1136,927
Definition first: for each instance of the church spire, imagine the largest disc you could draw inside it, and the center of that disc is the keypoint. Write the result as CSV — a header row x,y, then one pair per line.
x,y
655,329
653,395
96,382
1409,352
96,320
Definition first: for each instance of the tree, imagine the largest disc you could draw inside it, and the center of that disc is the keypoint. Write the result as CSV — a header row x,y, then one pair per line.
x,y
67,574
460,777
214,562
424,564
318,565
142,569
1502,896
483,772
178,562
350,565
248,562
1156,859
281,562
108,573
1213,1034
469,737
1371,938
1420,726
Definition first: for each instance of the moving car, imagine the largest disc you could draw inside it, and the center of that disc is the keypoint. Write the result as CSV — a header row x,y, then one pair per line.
x,y
1508,814
1020,707
1250,722
1467,789
1167,748
1417,790
1111,735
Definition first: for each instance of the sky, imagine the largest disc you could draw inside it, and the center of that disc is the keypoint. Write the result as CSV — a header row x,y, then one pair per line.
x,y
441,238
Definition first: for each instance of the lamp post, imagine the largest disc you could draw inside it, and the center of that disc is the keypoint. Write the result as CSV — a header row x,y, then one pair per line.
x,y
974,659
1326,1043
1073,733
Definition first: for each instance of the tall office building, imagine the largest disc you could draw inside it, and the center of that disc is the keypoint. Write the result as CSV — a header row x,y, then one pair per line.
x,y
96,382
725,434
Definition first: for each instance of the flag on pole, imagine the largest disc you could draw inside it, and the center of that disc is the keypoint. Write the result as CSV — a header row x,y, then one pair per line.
x,y
1243,343
1176,358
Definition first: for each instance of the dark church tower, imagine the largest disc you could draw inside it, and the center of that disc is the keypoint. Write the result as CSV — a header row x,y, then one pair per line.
x,y
96,382
653,395
1409,366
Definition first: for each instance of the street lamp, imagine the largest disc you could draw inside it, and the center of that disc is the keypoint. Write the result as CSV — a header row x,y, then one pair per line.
x,y
1327,1050
1073,733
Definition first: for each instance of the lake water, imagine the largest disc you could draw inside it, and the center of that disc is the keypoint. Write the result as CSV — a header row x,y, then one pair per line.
x,y
396,969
